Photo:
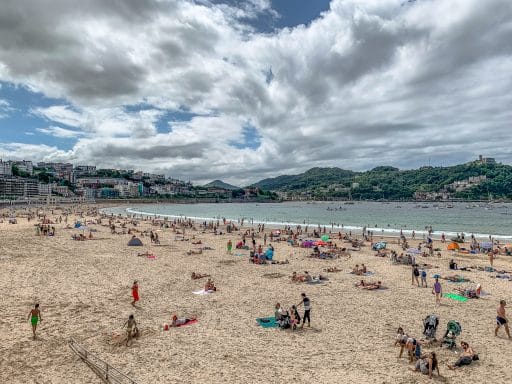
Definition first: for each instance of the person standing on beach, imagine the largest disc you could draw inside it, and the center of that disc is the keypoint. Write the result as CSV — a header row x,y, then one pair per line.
x,y
307,310
491,257
501,319
424,278
35,317
230,246
437,290
135,292
415,275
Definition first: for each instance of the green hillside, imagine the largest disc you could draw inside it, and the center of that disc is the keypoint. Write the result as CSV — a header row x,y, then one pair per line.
x,y
394,184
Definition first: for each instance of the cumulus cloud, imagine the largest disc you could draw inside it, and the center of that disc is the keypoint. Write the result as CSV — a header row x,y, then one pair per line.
x,y
369,82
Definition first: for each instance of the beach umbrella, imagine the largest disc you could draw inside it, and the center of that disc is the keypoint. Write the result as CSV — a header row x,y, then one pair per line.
x,y
486,245
453,246
325,238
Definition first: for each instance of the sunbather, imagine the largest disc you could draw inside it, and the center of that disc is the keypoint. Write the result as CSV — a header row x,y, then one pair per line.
x,y
210,286
196,276
470,293
297,278
147,254
332,269
467,357
177,321
372,286
195,252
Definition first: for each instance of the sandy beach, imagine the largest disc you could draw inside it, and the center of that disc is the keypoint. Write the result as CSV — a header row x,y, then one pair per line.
x,y
83,288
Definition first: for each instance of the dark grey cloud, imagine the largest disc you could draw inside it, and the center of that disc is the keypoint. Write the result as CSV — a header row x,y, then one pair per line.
x,y
144,152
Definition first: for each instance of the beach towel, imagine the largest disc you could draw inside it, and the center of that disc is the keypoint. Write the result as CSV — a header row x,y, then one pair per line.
x,y
315,281
267,322
369,273
503,276
202,292
187,323
239,254
456,297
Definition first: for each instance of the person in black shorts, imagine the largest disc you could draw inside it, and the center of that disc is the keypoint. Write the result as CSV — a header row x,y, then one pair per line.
x,y
307,310
501,319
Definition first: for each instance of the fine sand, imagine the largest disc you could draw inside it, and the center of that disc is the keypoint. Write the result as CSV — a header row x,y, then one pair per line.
x,y
83,288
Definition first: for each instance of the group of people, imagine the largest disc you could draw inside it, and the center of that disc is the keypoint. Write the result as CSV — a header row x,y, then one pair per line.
x,y
290,318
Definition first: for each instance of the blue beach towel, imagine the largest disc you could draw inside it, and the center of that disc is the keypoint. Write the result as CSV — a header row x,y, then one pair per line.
x,y
267,322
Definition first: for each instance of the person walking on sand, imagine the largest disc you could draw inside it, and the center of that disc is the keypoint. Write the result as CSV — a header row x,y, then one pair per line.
x,y
501,319
437,290
131,328
230,246
307,310
135,292
491,257
35,317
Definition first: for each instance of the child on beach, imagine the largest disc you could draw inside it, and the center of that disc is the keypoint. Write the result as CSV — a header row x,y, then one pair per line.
x,y
135,292
229,246
131,329
437,290
424,278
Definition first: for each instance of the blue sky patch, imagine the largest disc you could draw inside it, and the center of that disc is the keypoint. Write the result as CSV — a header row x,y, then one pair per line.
x,y
20,125
250,138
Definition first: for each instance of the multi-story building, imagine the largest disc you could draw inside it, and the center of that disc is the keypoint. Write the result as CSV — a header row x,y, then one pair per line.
x,y
5,168
18,187
97,182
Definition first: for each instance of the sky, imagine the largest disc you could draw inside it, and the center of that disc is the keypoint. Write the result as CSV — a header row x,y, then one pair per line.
x,y
241,90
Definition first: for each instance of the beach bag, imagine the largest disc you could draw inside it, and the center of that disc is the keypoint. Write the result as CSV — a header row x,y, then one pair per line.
x,y
475,357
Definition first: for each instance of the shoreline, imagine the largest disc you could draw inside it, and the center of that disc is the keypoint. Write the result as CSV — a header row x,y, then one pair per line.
x,y
378,231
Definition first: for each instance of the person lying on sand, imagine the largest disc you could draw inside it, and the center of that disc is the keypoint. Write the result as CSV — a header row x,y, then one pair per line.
x,y
147,254
210,286
369,285
332,269
456,279
196,276
197,242
372,286
470,293
297,278
194,252
177,321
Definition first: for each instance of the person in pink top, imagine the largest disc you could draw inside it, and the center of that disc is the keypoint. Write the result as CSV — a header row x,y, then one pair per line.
x,y
437,290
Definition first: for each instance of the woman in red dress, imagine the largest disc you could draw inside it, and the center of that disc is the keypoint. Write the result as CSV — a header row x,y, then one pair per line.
x,y
135,292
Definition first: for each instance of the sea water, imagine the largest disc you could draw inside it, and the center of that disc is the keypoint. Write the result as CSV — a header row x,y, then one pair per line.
x,y
387,219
